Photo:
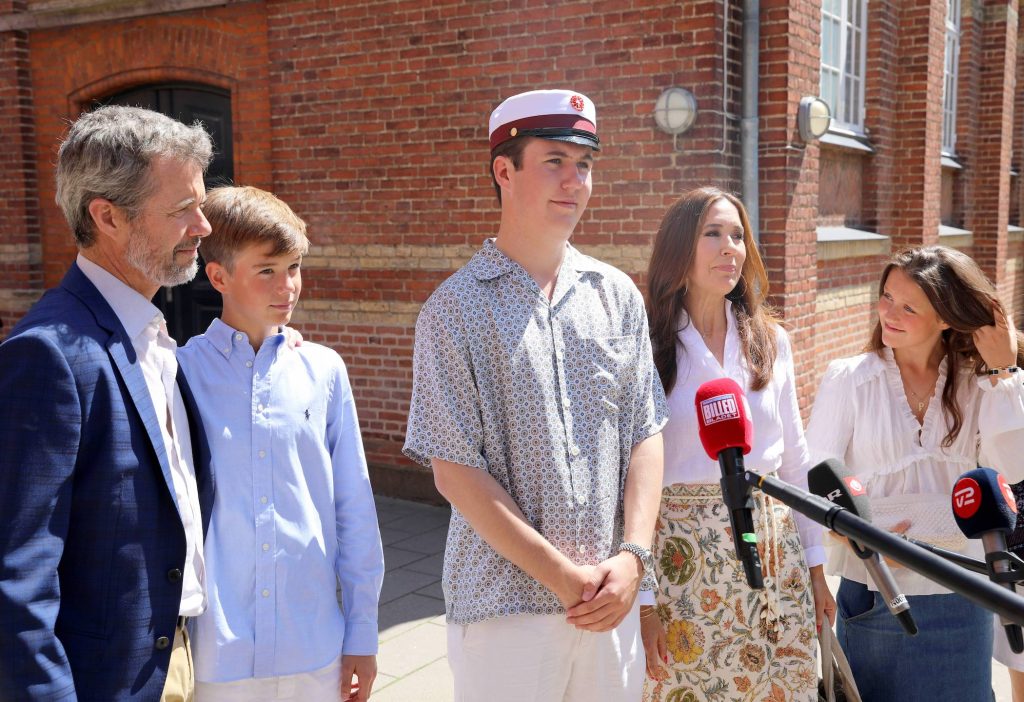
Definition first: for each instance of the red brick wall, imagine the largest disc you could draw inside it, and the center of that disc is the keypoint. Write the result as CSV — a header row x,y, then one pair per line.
x,y
71,66
989,212
915,118
1017,159
841,187
370,120
969,80
790,55
20,250
846,307
903,177
379,140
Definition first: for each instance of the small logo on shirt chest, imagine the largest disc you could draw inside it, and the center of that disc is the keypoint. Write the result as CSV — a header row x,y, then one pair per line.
x,y
307,415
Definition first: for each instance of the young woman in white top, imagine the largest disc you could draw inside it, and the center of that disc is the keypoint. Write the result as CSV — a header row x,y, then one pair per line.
x,y
708,635
936,394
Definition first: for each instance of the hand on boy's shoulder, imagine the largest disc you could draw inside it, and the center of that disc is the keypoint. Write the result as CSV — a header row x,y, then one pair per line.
x,y
292,337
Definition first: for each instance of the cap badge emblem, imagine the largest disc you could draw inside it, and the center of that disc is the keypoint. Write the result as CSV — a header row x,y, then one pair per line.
x,y
577,102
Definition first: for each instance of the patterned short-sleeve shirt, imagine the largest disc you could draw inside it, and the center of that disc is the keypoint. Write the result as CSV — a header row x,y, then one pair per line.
x,y
549,397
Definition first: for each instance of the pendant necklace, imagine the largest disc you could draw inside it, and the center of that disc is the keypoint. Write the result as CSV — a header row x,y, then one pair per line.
x,y
921,400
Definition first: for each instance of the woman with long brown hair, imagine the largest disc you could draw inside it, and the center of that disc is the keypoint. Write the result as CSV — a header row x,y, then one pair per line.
x,y
720,639
937,392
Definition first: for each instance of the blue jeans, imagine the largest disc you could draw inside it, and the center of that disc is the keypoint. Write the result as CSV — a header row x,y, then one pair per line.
x,y
950,659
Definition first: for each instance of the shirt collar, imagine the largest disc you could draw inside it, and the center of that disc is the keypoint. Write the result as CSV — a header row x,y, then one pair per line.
x,y
133,310
489,262
227,340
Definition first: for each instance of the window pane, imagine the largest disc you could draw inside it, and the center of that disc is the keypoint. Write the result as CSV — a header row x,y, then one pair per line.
x,y
828,90
843,38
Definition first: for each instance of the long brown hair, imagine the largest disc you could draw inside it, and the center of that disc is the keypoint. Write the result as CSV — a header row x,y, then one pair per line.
x,y
675,248
963,298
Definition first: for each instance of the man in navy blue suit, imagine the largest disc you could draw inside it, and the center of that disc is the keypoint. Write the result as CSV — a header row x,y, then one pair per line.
x,y
105,487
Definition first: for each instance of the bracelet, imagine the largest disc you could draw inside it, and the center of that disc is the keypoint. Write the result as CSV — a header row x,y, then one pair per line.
x,y
1006,369
649,613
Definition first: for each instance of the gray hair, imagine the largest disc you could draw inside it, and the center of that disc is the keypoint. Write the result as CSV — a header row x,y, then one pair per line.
x,y
108,153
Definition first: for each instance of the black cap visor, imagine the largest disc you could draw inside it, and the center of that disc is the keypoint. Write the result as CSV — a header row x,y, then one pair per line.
x,y
575,136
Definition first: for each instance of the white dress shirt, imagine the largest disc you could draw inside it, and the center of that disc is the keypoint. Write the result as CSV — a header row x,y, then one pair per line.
x,y
144,324
862,418
778,446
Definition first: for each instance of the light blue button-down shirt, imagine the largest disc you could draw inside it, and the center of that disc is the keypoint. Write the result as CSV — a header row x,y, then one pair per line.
x,y
294,513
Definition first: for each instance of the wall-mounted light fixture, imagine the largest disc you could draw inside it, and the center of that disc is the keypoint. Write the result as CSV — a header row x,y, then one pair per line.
x,y
813,118
675,111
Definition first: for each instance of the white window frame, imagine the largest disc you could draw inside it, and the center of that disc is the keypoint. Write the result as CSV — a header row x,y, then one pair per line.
x,y
846,76
950,76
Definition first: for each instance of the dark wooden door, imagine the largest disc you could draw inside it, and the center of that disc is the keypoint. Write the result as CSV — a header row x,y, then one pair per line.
x,y
190,308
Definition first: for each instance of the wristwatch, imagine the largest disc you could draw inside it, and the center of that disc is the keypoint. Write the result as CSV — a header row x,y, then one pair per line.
x,y
646,560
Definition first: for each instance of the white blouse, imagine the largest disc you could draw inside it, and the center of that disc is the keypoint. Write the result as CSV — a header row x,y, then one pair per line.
x,y
778,446
862,418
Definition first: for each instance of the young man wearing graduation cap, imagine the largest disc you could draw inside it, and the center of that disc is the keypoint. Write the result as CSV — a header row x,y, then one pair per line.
x,y
537,405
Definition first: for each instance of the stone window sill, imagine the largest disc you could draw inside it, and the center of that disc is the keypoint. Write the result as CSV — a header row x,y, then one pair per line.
x,y
846,242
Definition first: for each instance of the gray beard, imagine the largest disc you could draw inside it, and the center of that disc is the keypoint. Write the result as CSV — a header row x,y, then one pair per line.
x,y
165,273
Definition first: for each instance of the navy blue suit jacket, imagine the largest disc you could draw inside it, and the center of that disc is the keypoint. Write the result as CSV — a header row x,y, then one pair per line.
x,y
91,542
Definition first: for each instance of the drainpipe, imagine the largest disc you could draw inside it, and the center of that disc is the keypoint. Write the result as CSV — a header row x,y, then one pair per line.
x,y
748,125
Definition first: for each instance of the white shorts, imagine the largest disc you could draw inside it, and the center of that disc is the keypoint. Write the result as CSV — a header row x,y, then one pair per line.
x,y
541,658
321,685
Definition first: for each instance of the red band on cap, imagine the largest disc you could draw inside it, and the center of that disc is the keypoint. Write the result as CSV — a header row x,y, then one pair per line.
x,y
504,132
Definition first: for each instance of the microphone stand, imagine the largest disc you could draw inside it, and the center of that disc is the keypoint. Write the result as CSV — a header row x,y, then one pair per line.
x,y
973,564
981,591
1010,570
737,499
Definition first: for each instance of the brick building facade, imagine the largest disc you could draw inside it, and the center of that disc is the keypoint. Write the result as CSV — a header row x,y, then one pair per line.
x,y
369,118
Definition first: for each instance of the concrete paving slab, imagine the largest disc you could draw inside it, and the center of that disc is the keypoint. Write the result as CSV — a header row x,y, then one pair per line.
x,y
430,564
412,650
413,665
399,558
432,683
417,522
433,590
407,612
402,582
389,509
427,542
388,535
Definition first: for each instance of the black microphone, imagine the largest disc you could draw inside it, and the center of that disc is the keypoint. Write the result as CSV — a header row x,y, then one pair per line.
x,y
984,507
726,433
831,480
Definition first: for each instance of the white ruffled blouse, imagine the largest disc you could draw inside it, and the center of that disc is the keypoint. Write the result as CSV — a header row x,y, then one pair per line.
x,y
779,445
862,418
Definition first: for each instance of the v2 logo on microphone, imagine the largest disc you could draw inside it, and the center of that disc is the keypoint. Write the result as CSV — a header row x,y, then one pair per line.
x,y
966,497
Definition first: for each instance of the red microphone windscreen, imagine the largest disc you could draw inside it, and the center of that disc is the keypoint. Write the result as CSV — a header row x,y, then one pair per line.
x,y
723,417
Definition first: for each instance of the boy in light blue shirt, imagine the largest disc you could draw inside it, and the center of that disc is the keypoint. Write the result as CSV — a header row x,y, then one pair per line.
x,y
294,513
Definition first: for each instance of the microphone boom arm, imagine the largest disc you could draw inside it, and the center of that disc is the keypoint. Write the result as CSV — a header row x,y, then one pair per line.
x,y
979,590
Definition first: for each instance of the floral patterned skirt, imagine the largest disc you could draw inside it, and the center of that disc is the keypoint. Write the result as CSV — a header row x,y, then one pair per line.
x,y
727,642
